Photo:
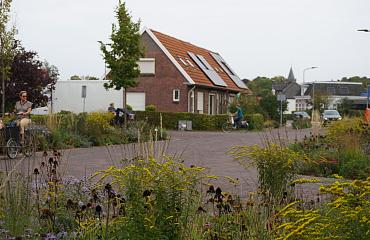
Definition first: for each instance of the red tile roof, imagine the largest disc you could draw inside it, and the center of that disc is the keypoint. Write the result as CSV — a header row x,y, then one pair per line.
x,y
178,48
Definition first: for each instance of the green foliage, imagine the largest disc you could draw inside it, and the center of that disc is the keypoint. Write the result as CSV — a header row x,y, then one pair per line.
x,y
122,54
353,163
277,166
75,77
301,123
7,42
271,107
364,80
160,199
344,150
150,108
128,107
170,120
255,121
270,124
260,86
345,216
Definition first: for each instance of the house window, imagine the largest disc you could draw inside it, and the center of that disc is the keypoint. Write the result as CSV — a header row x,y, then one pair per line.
x,y
343,90
176,95
330,90
146,66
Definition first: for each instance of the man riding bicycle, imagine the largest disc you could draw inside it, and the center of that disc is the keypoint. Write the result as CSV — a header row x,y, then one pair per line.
x,y
23,110
238,116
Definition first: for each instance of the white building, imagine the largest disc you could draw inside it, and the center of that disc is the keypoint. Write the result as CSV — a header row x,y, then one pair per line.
x,y
84,96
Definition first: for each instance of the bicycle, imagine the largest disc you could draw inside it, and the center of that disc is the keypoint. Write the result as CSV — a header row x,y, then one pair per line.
x,y
228,126
13,145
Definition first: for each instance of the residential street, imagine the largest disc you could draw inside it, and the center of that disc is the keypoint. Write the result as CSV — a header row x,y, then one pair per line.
x,y
205,149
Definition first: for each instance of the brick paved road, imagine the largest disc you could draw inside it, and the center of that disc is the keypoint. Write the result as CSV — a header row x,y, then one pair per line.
x,y
199,148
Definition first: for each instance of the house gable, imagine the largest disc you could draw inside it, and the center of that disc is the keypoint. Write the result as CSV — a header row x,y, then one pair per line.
x,y
181,52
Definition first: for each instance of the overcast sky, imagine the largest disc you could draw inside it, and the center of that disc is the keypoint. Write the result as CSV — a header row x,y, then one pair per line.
x,y
256,37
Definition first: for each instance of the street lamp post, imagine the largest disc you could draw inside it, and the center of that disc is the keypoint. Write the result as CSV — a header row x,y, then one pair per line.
x,y
313,89
304,71
368,86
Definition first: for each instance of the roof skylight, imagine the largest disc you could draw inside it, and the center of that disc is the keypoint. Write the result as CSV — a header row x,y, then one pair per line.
x,y
182,60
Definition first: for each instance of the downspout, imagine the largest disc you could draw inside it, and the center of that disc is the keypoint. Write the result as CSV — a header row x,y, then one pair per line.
x,y
189,97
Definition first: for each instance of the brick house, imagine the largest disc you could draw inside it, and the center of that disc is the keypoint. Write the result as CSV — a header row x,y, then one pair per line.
x,y
177,76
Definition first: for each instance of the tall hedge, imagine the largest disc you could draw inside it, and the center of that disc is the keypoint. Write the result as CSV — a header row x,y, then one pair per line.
x,y
170,120
199,121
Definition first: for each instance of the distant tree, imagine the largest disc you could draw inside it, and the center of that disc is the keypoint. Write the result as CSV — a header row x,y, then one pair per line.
x,y
7,43
364,80
345,106
321,102
122,54
278,79
91,78
271,107
31,75
261,86
75,77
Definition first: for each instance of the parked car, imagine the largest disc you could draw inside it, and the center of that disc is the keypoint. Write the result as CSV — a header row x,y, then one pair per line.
x,y
330,115
301,115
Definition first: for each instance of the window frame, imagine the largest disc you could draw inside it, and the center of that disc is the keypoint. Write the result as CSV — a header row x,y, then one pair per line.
x,y
174,99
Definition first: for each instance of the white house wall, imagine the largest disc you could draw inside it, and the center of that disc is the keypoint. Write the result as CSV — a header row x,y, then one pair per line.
x,y
67,96
291,106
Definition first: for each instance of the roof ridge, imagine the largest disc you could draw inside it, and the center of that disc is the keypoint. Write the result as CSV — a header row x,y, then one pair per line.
x,y
189,43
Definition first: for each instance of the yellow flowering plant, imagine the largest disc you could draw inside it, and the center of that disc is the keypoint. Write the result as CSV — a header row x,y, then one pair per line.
x,y
276,164
345,216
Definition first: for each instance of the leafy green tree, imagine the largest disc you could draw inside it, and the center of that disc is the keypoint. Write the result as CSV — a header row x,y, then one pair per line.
x,y
260,86
75,77
7,43
271,107
364,80
345,106
32,75
321,102
122,54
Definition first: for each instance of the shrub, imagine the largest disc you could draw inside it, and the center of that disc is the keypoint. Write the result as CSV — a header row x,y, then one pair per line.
x,y
277,166
270,124
95,126
170,120
354,164
301,123
150,108
255,121
345,216
158,200
128,107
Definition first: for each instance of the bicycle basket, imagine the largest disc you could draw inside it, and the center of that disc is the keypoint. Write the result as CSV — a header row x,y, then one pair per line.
x,y
12,132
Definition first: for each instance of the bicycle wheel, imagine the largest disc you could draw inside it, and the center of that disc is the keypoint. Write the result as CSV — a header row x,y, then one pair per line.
x,y
29,146
12,148
227,127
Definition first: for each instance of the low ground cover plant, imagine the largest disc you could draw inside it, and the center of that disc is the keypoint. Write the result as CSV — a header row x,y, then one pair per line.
x,y
92,129
343,150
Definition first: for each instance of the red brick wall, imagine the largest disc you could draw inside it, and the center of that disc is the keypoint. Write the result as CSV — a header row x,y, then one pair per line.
x,y
158,88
